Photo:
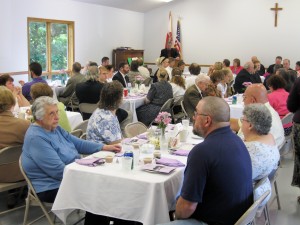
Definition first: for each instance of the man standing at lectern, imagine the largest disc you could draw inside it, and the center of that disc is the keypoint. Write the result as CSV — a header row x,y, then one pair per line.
x,y
169,52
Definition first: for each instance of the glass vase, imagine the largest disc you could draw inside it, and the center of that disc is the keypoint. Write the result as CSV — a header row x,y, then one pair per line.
x,y
163,140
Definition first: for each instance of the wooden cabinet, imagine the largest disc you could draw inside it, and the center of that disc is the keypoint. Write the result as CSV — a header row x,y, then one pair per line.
x,y
121,55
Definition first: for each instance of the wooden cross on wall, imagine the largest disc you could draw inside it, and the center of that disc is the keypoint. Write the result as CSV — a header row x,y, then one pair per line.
x,y
276,9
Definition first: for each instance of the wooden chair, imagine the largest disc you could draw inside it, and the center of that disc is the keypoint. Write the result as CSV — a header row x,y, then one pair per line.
x,y
33,200
249,216
82,126
134,129
77,133
9,156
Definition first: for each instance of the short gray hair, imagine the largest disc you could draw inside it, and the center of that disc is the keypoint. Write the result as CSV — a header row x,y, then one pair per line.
x,y
216,108
92,73
202,78
38,106
248,64
259,116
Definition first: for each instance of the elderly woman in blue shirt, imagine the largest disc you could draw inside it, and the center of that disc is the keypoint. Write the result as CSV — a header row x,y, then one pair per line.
x,y
48,149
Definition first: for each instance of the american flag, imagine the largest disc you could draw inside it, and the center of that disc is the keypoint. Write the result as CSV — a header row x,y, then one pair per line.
x,y
178,38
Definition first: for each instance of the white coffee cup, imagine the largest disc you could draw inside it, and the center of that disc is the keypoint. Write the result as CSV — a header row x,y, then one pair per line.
x,y
183,135
185,123
126,163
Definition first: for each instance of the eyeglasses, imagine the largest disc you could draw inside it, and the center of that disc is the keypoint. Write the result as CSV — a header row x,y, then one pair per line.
x,y
242,120
199,114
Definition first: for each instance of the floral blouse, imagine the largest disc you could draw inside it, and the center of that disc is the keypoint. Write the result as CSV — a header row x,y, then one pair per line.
x,y
264,159
103,127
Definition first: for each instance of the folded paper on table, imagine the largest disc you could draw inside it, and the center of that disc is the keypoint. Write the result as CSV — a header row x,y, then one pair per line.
x,y
158,168
142,136
181,152
170,162
130,141
90,161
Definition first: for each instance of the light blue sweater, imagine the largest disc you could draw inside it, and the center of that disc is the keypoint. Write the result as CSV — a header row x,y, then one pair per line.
x,y
46,153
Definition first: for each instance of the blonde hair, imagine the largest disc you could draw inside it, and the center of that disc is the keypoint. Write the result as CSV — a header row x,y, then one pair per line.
x,y
7,100
162,74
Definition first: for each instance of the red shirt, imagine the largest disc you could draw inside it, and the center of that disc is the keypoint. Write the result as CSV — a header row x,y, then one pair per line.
x,y
278,99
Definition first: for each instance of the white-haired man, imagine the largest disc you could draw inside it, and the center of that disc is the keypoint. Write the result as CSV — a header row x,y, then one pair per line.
x,y
195,93
246,77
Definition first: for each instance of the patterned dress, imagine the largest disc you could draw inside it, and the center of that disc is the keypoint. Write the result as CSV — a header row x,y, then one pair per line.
x,y
103,127
158,94
264,159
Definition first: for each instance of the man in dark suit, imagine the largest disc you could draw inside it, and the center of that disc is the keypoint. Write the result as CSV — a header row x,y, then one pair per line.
x,y
89,92
194,94
169,52
278,61
121,75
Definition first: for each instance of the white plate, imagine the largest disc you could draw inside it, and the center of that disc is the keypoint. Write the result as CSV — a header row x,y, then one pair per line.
x,y
103,154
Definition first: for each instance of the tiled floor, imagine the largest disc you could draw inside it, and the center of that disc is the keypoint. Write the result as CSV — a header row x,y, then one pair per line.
x,y
288,215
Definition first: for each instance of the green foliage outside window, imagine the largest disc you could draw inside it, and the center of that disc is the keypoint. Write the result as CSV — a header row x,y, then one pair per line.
x,y
57,52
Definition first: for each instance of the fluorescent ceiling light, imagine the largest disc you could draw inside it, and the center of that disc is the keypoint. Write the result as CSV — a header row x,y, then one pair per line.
x,y
167,0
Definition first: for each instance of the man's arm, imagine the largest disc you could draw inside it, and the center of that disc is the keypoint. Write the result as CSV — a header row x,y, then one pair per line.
x,y
184,208
234,124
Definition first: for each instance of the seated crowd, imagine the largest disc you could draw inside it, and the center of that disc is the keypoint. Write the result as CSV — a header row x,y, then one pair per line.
x,y
248,154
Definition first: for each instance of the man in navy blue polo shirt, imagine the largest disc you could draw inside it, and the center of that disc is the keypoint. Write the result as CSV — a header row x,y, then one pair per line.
x,y
217,186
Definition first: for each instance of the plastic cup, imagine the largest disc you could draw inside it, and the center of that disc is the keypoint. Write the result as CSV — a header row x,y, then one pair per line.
x,y
126,163
185,124
183,135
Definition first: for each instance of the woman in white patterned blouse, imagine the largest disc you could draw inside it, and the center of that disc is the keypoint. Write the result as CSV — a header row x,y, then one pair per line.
x,y
256,124
103,126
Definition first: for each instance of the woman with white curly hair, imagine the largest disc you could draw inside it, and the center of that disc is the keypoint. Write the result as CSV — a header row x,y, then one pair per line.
x,y
256,125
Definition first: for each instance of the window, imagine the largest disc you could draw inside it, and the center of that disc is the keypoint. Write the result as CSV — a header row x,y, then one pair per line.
x,y
51,43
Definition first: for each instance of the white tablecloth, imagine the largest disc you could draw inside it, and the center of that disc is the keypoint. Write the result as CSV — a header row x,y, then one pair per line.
x,y
236,111
74,118
131,104
108,190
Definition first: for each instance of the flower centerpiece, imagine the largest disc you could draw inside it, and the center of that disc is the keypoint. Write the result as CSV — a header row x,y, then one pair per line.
x,y
163,119
138,80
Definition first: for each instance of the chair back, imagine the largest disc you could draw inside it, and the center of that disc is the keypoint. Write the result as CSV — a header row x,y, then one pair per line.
x,y
87,107
249,215
77,133
82,126
9,158
134,129
83,136
288,118
183,109
33,199
147,81
168,105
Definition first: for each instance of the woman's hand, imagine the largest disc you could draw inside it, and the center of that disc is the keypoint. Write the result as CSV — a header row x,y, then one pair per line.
x,y
113,148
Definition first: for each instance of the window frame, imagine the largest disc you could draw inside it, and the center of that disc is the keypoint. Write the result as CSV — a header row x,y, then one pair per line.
x,y
71,43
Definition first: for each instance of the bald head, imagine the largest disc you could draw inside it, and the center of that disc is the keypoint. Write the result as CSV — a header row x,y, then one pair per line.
x,y
217,108
255,93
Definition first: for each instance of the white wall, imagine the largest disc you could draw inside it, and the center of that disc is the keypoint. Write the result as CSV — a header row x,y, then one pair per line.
x,y
214,29
98,29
